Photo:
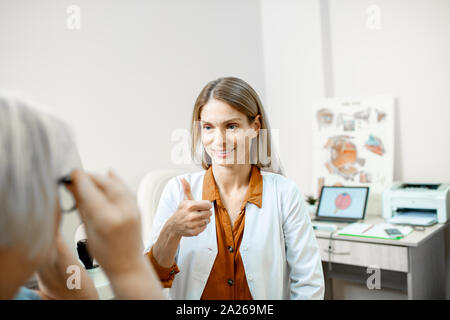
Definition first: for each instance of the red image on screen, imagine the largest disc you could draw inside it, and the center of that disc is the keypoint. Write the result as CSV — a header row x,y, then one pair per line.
x,y
343,201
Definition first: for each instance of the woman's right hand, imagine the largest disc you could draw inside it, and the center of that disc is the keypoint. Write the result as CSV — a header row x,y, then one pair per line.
x,y
190,219
191,216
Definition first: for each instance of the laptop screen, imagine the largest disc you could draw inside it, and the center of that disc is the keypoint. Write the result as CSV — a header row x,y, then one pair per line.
x,y
344,203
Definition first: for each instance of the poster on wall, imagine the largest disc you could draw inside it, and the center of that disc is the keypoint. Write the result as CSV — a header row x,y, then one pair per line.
x,y
354,145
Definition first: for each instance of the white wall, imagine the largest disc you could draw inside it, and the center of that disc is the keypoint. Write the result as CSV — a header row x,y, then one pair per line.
x,y
293,78
129,77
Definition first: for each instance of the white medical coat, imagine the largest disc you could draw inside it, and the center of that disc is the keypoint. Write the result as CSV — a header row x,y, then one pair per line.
x,y
279,250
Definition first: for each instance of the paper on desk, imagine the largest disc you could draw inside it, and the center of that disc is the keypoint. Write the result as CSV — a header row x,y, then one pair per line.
x,y
414,218
373,230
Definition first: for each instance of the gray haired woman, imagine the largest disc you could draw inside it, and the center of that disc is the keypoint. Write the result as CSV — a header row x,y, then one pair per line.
x,y
36,153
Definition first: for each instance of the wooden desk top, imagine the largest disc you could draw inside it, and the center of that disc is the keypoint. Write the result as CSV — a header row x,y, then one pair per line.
x,y
414,239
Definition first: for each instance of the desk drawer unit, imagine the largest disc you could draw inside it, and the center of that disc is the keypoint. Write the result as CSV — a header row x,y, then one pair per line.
x,y
363,254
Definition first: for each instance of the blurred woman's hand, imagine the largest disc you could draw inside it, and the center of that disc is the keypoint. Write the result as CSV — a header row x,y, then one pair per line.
x,y
52,275
111,217
112,221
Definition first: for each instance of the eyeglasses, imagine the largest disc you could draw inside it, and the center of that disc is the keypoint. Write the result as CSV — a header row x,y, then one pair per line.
x,y
66,200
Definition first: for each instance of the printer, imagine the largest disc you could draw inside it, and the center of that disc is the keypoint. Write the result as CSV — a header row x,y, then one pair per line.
x,y
416,204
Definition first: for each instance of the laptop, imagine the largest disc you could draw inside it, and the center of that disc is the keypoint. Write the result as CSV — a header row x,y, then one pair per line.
x,y
342,204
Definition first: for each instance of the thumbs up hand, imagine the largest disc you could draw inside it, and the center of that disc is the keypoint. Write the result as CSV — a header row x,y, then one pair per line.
x,y
187,190
191,216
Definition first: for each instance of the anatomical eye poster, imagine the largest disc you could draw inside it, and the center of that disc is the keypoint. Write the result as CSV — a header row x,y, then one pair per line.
x,y
353,145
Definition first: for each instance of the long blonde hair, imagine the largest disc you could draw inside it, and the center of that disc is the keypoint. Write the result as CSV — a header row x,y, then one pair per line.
x,y
241,96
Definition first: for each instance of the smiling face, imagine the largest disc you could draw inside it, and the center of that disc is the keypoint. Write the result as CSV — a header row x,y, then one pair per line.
x,y
226,133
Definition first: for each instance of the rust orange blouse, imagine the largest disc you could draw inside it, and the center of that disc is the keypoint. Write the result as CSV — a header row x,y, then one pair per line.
x,y
227,279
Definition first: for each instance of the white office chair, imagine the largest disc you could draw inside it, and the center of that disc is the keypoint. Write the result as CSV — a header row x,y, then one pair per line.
x,y
148,195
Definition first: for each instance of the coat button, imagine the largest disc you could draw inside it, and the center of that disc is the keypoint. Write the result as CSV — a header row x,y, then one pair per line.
x,y
244,248
230,248
250,278
230,282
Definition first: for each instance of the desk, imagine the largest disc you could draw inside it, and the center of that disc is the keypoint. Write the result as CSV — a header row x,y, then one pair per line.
x,y
414,264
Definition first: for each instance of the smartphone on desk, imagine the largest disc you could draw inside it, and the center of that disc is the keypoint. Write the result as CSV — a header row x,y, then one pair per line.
x,y
393,232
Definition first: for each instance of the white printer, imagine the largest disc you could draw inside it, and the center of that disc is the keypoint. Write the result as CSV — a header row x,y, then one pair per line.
x,y
416,204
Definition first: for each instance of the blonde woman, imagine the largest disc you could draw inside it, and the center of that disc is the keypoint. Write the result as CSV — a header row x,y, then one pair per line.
x,y
235,230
